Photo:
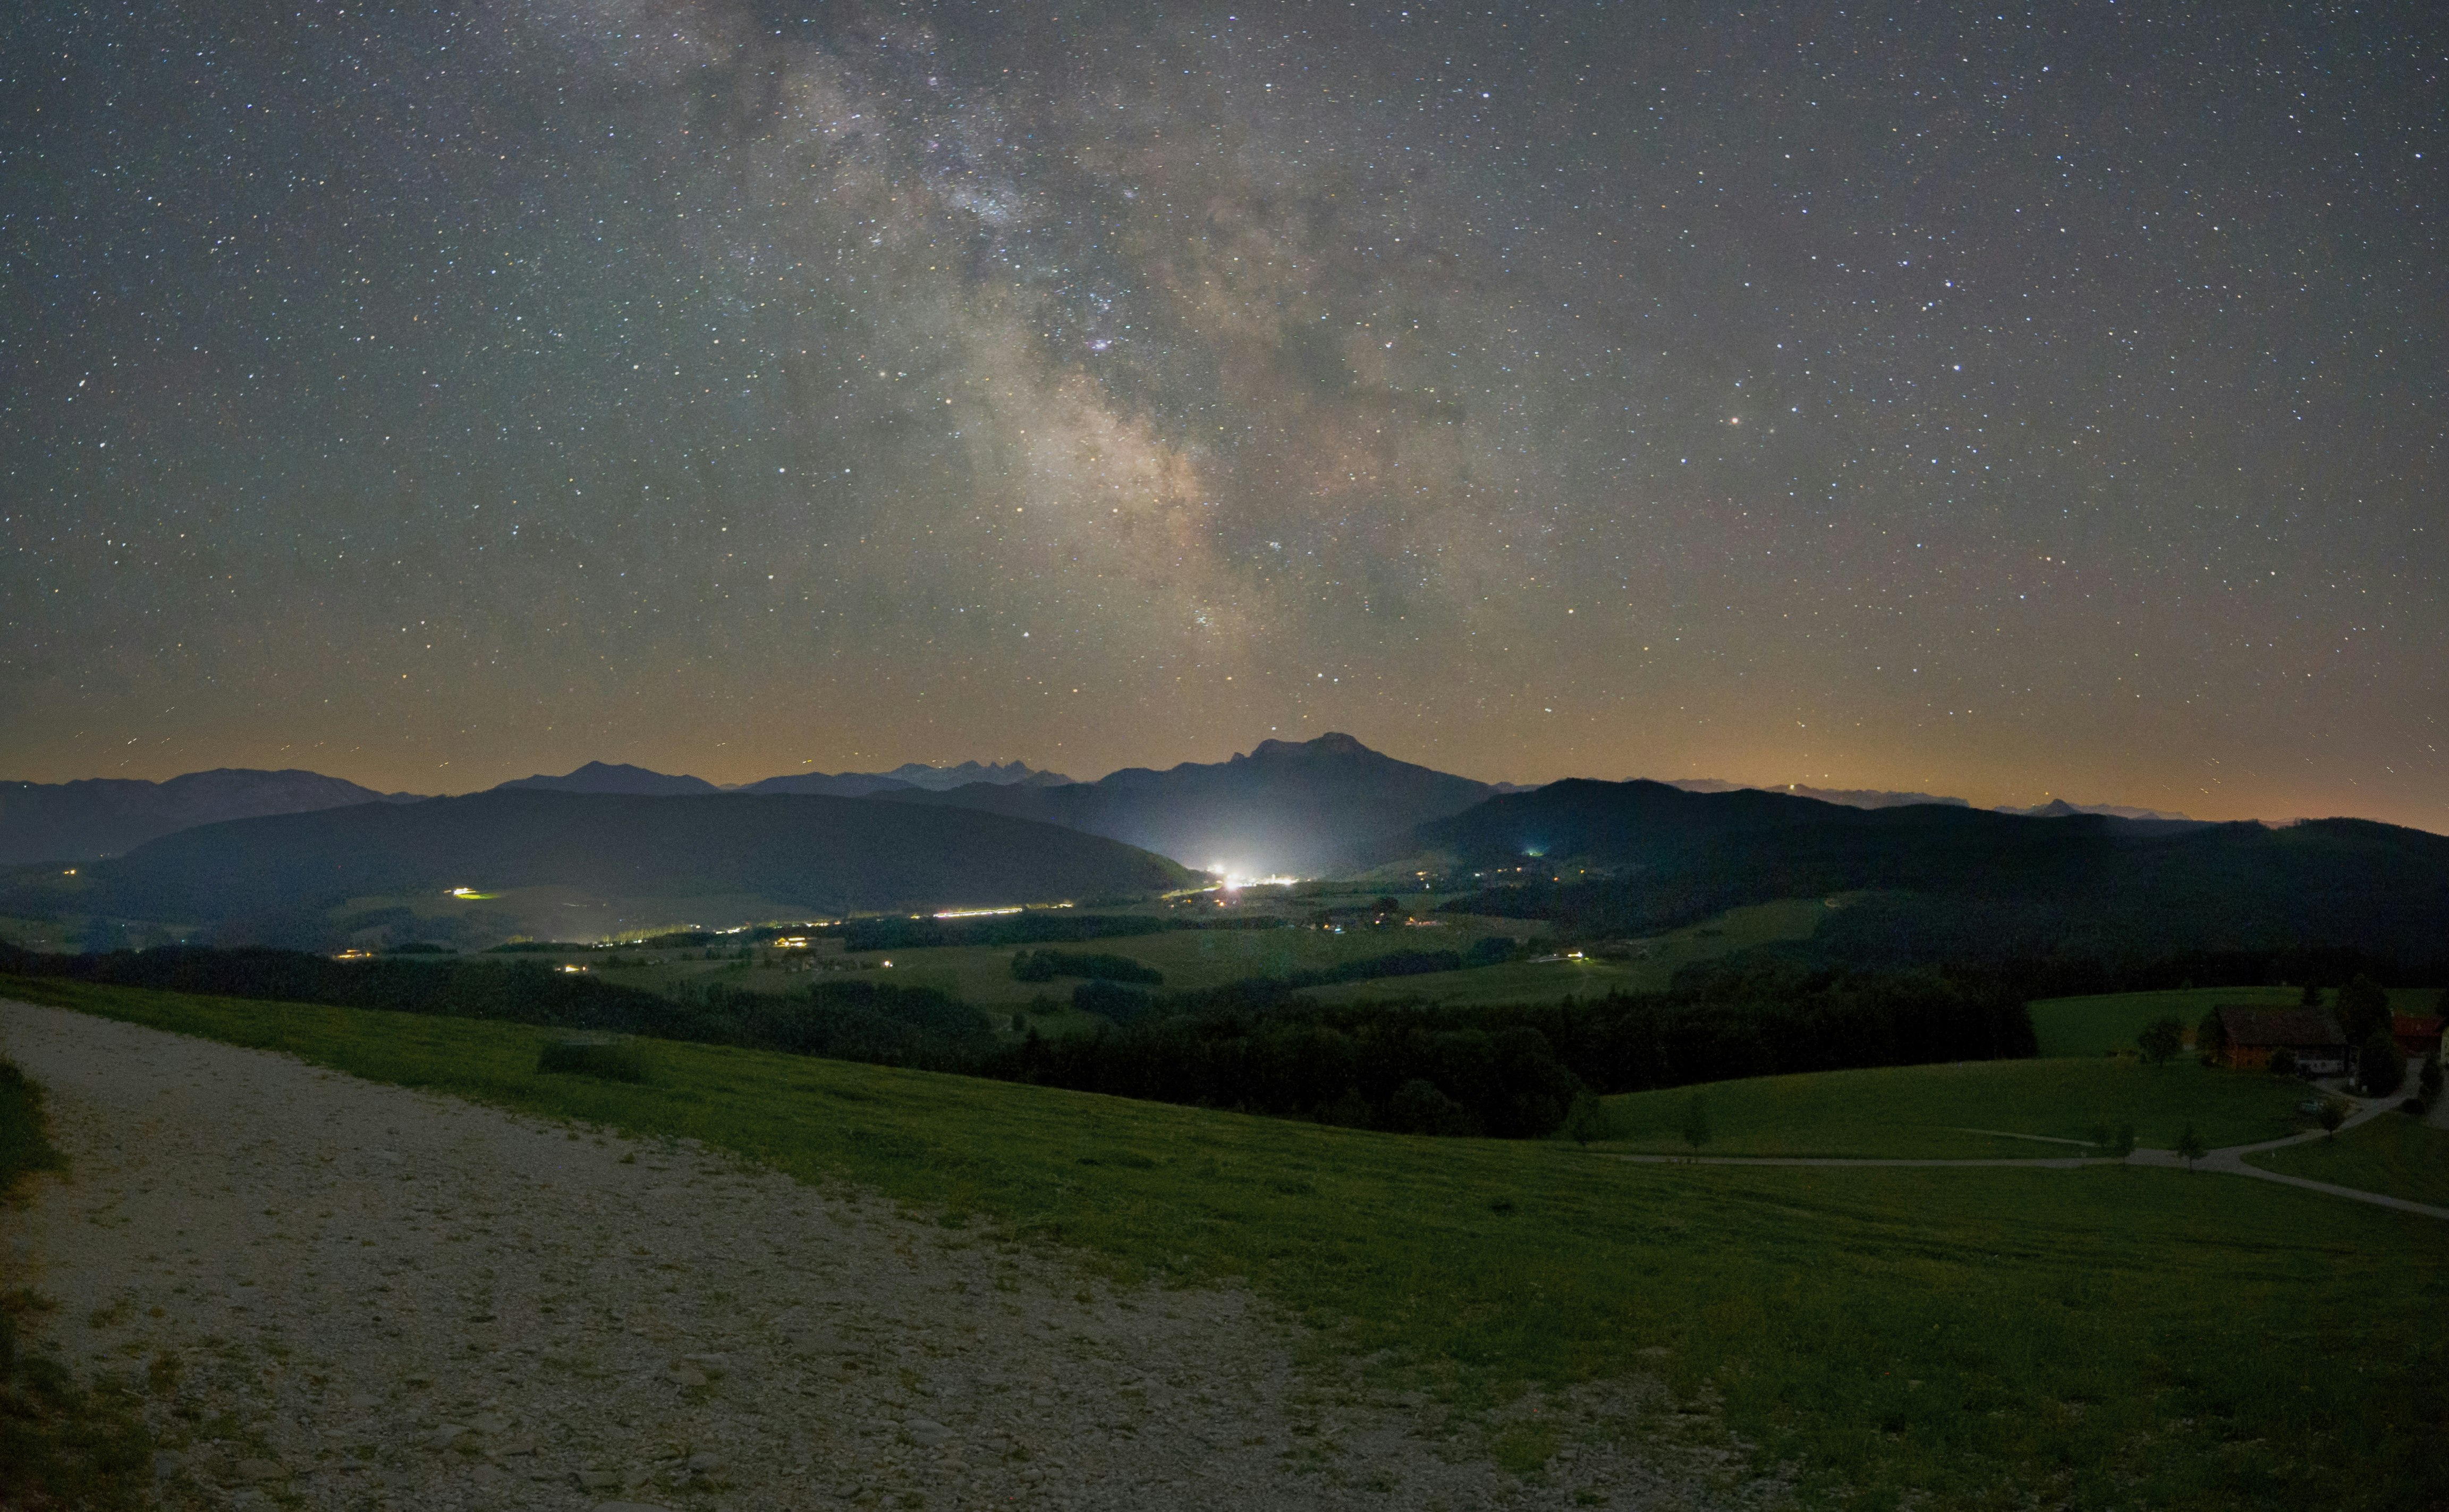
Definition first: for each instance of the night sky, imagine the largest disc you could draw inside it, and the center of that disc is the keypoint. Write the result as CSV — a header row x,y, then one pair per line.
x,y
2002,402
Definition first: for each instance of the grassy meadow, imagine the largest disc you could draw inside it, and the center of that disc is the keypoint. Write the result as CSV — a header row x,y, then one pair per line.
x,y
1192,959
2107,1337
1652,970
2394,1155
1937,1112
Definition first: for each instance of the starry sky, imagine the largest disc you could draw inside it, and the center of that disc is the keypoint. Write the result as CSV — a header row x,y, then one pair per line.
x,y
2007,401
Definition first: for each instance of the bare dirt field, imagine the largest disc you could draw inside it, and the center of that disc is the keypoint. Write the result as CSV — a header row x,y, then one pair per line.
x,y
342,1295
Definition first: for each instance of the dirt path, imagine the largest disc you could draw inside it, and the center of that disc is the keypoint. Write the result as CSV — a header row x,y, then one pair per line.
x,y
379,1298
2228,1161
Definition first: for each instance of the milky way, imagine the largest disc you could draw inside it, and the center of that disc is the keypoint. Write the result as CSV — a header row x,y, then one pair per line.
x,y
2038,401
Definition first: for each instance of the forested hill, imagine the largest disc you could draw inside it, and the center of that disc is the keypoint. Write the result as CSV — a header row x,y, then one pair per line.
x,y
826,854
1950,883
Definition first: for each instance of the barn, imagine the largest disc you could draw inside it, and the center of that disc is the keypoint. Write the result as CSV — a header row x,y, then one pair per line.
x,y
2310,1035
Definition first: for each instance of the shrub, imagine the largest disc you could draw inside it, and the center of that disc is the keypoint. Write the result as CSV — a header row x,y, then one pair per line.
x,y
602,1059
1420,1107
2161,1042
1696,1121
2283,1061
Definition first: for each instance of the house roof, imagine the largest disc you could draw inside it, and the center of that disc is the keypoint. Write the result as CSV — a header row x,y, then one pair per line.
x,y
2277,1026
2414,1027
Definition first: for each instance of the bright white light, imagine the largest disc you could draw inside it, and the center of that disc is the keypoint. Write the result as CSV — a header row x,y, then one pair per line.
x,y
975,914
1235,882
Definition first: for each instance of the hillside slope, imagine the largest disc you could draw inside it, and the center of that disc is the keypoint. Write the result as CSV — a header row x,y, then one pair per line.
x,y
823,855
100,816
1951,883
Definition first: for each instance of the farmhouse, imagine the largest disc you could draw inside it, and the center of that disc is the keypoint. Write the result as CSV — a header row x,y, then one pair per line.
x,y
2418,1038
2310,1035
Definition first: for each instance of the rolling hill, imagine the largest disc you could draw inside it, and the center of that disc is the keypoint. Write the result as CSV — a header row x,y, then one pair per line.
x,y
816,854
100,816
1302,807
1948,883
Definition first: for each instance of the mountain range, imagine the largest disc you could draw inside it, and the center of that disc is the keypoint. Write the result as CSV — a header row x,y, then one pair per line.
x,y
98,817
600,776
1875,799
1287,807
1914,880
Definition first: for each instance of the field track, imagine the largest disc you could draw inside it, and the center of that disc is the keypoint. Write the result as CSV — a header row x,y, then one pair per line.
x,y
386,1299
2228,1162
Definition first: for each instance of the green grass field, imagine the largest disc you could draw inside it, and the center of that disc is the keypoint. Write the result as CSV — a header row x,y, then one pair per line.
x,y
2113,1337
1924,1112
1191,959
1737,929
2097,1026
2394,1155
61,1444
981,975
24,1148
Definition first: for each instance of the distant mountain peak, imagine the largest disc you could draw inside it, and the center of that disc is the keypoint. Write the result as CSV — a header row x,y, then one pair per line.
x,y
2061,809
1002,774
612,777
1332,743
910,774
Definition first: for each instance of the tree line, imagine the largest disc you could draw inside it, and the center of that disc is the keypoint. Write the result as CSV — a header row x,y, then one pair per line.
x,y
1502,1071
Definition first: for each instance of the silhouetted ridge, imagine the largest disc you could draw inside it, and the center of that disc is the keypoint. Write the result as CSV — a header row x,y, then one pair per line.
x,y
99,816
1302,807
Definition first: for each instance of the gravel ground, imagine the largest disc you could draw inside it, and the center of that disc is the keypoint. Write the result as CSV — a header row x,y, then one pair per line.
x,y
352,1296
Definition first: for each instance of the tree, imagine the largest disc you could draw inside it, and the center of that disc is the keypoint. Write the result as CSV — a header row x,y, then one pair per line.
x,y
2381,1066
2427,1086
2191,1147
2310,997
1696,1122
2283,1061
2329,1116
2362,1009
1587,1119
2161,1042
2125,1138
2210,1037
